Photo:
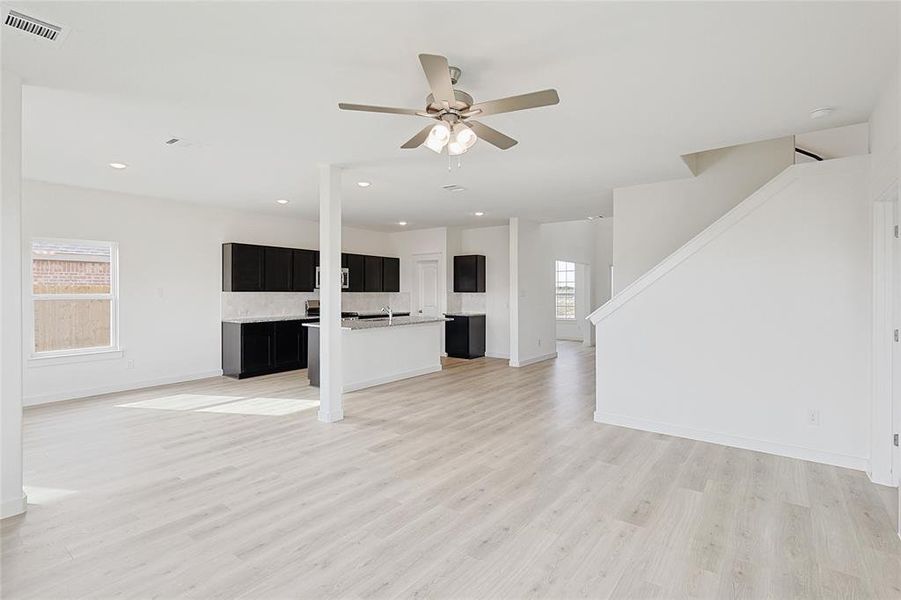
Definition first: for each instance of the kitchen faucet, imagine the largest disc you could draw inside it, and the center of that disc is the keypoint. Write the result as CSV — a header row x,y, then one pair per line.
x,y
388,310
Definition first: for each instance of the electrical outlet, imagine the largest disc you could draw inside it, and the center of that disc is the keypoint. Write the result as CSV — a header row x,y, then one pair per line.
x,y
539,342
131,363
813,417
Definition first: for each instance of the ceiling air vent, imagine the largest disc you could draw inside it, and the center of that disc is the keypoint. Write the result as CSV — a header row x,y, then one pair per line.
x,y
453,187
33,26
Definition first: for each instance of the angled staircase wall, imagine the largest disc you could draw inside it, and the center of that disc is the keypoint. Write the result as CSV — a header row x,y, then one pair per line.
x,y
755,327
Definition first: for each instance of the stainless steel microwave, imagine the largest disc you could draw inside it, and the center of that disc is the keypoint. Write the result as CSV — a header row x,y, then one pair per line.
x,y
345,278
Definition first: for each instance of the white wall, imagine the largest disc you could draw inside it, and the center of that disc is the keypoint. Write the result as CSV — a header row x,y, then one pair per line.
x,y
883,136
575,241
653,220
12,498
766,321
834,142
170,265
408,245
603,260
532,323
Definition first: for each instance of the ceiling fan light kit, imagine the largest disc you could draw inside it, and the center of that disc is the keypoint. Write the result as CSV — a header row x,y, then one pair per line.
x,y
453,109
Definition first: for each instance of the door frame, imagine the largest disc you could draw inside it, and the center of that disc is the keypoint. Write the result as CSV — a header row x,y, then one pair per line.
x,y
885,459
442,285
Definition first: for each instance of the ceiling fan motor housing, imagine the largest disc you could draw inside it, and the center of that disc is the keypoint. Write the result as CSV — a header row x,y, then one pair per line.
x,y
462,102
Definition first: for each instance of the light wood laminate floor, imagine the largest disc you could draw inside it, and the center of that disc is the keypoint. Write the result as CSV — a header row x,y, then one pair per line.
x,y
479,481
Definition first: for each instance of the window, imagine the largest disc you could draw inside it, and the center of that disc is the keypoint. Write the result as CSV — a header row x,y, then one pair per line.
x,y
566,290
74,292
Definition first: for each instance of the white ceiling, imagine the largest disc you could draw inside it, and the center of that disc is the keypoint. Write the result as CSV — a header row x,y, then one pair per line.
x,y
254,86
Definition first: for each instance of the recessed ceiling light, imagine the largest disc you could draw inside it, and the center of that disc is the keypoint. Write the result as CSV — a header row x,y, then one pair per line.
x,y
401,223
116,165
820,113
364,183
282,201
479,214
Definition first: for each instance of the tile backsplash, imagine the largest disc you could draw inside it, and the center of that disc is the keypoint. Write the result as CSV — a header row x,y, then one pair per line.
x,y
276,304
457,302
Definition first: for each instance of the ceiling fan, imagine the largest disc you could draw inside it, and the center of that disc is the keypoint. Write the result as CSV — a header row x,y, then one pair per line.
x,y
454,110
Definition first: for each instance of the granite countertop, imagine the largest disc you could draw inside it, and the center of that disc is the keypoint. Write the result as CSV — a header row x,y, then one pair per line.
x,y
301,317
268,319
465,314
356,324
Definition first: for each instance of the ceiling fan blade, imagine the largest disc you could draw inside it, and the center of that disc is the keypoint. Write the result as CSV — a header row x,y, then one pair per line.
x,y
438,73
417,140
380,109
492,136
504,105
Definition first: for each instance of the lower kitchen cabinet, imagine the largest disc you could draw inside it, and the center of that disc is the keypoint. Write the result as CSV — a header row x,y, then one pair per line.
x,y
250,349
464,336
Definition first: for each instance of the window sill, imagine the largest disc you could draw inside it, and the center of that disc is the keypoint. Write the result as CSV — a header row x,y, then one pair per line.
x,y
51,360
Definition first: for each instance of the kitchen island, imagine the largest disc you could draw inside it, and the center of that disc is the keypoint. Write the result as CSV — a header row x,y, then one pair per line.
x,y
377,351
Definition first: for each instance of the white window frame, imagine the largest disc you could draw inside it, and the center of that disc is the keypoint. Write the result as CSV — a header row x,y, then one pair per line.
x,y
556,271
112,350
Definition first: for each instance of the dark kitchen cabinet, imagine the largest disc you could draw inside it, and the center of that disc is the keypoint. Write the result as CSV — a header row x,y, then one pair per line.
x,y
250,349
252,268
464,336
372,273
257,341
242,268
278,269
391,274
469,273
355,265
304,270
290,346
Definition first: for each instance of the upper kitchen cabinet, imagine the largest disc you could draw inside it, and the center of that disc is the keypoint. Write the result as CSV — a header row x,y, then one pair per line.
x,y
355,265
372,273
305,263
391,274
469,273
242,268
252,268
278,269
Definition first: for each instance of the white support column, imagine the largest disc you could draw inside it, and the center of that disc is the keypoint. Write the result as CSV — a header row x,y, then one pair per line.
x,y
331,403
514,292
13,495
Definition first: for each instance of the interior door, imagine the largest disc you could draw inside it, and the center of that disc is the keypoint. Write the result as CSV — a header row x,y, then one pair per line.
x,y
427,288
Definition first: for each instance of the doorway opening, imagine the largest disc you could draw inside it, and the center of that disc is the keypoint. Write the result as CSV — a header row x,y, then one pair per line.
x,y
572,301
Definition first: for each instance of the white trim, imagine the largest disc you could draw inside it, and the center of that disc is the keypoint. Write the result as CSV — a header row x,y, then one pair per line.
x,y
38,400
744,208
16,506
359,385
858,463
881,425
63,357
531,361
503,355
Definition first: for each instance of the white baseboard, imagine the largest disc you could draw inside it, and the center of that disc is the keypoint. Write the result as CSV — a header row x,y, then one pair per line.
x,y
359,385
881,478
531,361
724,439
503,355
16,506
39,399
